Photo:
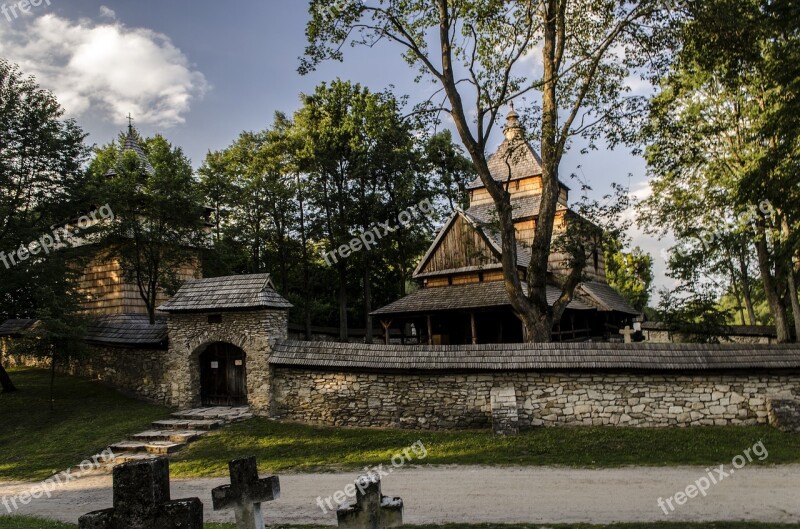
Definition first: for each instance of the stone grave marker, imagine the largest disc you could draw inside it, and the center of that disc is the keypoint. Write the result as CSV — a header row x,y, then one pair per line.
x,y
142,501
372,510
246,493
505,417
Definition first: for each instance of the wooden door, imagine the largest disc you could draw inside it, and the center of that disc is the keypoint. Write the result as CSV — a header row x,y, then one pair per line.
x,y
223,376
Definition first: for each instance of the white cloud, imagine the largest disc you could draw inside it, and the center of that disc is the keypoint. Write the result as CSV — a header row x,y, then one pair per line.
x,y
106,69
107,12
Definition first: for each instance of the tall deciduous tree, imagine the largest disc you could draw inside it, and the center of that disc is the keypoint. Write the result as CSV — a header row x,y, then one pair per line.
x,y
477,52
41,175
723,156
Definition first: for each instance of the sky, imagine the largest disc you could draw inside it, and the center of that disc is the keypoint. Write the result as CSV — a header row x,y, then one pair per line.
x,y
201,71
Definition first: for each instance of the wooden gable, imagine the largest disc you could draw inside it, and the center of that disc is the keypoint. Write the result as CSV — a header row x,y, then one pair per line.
x,y
458,246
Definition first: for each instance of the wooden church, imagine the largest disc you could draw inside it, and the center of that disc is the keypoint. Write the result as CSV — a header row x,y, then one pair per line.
x,y
462,298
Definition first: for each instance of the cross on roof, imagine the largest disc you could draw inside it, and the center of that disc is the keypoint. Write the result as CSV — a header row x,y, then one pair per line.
x,y
142,501
372,509
246,493
130,123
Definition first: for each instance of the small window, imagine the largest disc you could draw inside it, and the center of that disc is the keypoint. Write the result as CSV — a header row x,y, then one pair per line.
x,y
450,280
480,277
596,256
215,318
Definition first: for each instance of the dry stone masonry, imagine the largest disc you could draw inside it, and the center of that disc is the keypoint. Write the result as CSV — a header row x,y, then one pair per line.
x,y
446,401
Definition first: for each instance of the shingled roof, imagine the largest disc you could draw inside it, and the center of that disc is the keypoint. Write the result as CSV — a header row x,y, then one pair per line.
x,y
127,330
606,297
132,145
522,207
535,357
254,291
515,158
458,297
16,327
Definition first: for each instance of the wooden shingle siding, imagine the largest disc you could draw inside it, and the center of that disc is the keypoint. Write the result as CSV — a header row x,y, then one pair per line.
x,y
545,356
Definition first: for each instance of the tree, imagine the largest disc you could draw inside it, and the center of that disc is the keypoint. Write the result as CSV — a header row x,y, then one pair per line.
x,y
452,171
158,226
631,273
364,168
586,48
41,175
723,178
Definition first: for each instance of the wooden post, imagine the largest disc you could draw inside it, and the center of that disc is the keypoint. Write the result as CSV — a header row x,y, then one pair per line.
x,y
474,328
430,330
386,325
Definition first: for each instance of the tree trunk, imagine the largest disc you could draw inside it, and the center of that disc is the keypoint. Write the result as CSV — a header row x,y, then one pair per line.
x,y
539,322
52,380
5,381
747,290
774,299
367,303
306,273
791,281
343,335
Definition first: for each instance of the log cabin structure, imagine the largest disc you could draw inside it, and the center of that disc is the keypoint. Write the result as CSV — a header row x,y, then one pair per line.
x,y
462,298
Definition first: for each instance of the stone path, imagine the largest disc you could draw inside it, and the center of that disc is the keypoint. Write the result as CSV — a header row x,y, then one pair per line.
x,y
168,436
473,494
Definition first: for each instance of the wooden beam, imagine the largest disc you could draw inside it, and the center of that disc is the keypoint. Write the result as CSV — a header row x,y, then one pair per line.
x,y
474,328
386,324
430,330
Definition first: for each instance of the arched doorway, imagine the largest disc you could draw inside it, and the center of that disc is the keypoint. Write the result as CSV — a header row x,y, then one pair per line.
x,y
223,376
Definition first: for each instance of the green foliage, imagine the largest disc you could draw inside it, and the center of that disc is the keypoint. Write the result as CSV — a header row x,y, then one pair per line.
x,y
158,223
41,181
476,51
631,273
722,143
695,315
344,162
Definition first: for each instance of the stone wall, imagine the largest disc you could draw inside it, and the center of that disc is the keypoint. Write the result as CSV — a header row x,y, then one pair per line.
x,y
251,331
136,371
445,401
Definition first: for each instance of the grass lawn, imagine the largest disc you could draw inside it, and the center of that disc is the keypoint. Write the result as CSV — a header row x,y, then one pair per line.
x,y
282,447
35,442
33,523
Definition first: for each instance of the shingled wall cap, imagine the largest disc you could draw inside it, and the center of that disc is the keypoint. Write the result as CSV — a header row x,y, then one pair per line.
x,y
243,292
535,357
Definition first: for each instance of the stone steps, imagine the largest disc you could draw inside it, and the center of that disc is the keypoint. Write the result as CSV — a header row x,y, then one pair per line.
x,y
173,436
219,413
186,424
170,435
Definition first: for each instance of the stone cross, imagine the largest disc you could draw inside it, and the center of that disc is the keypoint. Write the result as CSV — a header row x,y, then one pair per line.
x,y
627,332
372,510
142,501
246,493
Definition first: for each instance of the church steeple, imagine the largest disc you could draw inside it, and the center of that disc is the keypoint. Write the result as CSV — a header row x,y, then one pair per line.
x,y
513,128
131,144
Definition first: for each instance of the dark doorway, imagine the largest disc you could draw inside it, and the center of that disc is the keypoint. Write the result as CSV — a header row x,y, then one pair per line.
x,y
223,376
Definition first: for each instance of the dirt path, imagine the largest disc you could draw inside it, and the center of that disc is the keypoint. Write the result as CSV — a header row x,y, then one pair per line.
x,y
489,494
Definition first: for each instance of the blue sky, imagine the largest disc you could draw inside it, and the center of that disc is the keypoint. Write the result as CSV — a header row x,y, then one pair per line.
x,y
202,71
